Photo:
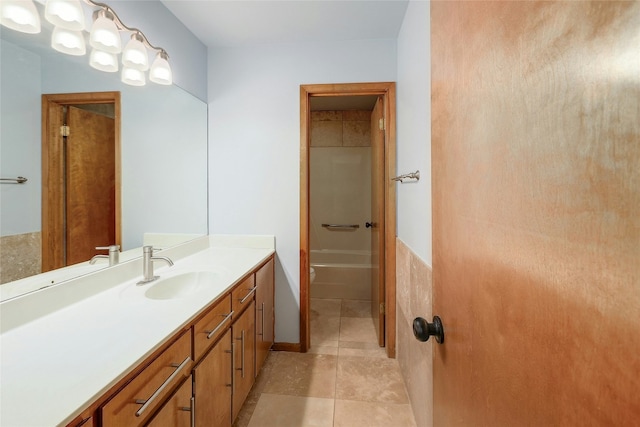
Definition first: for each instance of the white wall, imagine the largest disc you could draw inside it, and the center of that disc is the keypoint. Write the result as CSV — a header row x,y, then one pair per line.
x,y
254,138
414,253
414,129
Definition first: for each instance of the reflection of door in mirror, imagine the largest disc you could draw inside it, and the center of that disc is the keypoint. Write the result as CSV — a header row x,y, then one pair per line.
x,y
80,176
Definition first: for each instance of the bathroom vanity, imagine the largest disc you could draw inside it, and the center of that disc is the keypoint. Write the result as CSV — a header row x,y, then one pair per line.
x,y
183,350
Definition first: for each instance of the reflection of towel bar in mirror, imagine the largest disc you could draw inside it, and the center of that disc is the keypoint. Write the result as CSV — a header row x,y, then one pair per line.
x,y
341,226
413,175
18,180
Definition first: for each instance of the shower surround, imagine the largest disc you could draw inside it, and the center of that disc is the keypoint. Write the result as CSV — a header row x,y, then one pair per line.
x,y
340,181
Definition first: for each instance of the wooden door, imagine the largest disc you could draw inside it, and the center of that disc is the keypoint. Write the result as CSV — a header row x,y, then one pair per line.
x,y
58,165
387,91
212,386
378,220
244,332
90,184
536,232
176,412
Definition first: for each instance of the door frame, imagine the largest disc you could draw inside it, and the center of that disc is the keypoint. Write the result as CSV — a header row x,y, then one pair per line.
x,y
53,172
387,90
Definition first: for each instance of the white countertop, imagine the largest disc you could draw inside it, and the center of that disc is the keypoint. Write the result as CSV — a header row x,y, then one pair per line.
x,y
63,347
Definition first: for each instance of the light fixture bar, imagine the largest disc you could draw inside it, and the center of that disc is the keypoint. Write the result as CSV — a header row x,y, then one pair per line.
x,y
160,71
122,26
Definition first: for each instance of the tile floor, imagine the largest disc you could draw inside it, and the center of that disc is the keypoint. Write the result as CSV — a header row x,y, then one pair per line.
x,y
345,380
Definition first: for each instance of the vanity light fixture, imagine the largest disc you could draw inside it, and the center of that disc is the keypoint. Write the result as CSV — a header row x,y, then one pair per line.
x,y
105,37
135,54
160,72
133,76
104,34
103,61
68,41
66,14
20,15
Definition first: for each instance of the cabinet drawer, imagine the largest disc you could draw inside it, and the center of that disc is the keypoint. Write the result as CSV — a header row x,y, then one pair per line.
x,y
211,326
242,295
132,405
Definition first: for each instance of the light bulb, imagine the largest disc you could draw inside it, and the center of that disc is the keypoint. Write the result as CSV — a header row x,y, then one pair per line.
x,y
103,61
20,15
133,77
135,54
105,35
67,41
65,13
160,72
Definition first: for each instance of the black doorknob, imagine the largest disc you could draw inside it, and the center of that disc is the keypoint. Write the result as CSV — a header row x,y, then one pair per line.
x,y
422,329
368,224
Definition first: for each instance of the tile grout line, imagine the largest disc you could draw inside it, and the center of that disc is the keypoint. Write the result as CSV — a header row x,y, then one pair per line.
x,y
335,387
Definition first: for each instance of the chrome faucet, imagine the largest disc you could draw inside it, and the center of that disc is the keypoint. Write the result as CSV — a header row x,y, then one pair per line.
x,y
114,254
147,264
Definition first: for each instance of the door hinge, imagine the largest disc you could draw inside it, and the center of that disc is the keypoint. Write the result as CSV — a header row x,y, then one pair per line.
x,y
381,124
381,308
65,130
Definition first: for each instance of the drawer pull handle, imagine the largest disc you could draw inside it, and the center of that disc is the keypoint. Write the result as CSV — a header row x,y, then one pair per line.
x,y
251,291
217,328
145,403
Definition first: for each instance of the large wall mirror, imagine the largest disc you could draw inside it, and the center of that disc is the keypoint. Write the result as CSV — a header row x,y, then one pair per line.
x,y
163,150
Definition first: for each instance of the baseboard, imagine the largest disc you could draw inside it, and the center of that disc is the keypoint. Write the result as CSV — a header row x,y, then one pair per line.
x,y
293,347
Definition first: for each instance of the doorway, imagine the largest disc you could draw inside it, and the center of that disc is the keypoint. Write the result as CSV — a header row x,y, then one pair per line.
x,y
379,229
80,176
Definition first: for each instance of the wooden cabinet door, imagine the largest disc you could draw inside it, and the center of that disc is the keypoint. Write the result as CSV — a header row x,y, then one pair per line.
x,y
177,411
212,385
264,313
243,331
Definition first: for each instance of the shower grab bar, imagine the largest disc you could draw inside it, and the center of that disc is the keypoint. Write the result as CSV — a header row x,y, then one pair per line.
x,y
413,175
18,180
341,226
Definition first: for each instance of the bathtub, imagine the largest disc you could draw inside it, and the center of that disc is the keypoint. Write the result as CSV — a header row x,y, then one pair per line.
x,y
342,274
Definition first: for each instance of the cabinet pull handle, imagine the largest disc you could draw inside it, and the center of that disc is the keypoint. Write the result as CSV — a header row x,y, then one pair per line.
x,y
191,409
145,403
217,328
251,291
262,310
233,368
241,339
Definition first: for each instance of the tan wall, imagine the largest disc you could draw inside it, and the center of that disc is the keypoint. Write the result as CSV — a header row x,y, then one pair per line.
x,y
340,178
20,256
413,296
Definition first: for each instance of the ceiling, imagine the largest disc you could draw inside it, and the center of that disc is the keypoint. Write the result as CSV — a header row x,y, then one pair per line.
x,y
226,23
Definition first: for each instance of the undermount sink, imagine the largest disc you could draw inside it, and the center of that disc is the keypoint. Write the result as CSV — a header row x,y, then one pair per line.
x,y
180,285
